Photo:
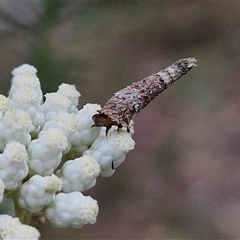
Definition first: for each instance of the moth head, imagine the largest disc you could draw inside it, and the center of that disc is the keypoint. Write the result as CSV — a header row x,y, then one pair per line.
x,y
103,120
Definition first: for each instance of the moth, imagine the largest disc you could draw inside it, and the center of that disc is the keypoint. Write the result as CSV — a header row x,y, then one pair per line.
x,y
127,102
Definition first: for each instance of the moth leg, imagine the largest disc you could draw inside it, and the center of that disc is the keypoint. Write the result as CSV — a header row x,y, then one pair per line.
x,y
107,129
112,166
119,127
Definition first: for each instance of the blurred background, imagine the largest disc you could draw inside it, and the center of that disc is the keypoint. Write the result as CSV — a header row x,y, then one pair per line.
x,y
182,180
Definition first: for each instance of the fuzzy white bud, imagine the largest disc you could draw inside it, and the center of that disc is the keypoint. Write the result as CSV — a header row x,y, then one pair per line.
x,y
70,92
13,165
15,125
45,152
28,99
25,98
25,70
55,104
110,151
38,192
85,134
72,210
79,174
66,122
25,76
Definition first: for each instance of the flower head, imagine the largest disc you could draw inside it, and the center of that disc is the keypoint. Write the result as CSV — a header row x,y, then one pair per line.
x,y
110,152
25,76
70,92
72,210
79,174
85,134
38,191
24,70
45,152
13,165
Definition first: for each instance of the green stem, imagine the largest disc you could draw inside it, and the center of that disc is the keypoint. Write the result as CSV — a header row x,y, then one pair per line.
x,y
24,215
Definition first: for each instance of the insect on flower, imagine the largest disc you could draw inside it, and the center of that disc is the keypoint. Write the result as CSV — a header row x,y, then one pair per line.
x,y
125,103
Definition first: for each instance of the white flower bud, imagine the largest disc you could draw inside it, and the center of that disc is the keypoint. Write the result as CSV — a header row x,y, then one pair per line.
x,y
12,228
85,134
25,76
45,152
38,192
65,121
70,92
27,99
2,189
15,125
25,70
79,174
55,104
13,165
110,151
72,210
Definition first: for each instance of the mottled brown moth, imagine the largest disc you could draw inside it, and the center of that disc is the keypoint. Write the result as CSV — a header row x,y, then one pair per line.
x,y
124,104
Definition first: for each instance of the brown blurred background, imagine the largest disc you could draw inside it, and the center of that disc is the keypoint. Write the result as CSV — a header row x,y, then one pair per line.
x,y
182,180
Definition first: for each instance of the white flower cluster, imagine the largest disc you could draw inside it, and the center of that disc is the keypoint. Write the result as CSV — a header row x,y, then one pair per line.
x,y
50,154
12,228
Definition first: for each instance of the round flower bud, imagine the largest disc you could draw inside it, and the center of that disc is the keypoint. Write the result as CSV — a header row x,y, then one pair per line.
x,y
15,125
13,165
28,99
72,210
110,151
38,192
25,76
45,152
65,121
70,92
79,174
24,70
55,104
85,134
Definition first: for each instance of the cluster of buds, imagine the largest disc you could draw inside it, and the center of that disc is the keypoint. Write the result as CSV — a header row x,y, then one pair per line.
x,y
51,152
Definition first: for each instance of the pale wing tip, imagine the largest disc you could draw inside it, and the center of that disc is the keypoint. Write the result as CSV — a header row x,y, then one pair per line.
x,y
190,62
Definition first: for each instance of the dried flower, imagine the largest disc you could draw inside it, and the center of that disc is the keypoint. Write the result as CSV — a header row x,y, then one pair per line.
x,y
124,104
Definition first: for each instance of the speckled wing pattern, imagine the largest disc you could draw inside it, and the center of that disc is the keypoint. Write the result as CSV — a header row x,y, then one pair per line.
x,y
125,103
